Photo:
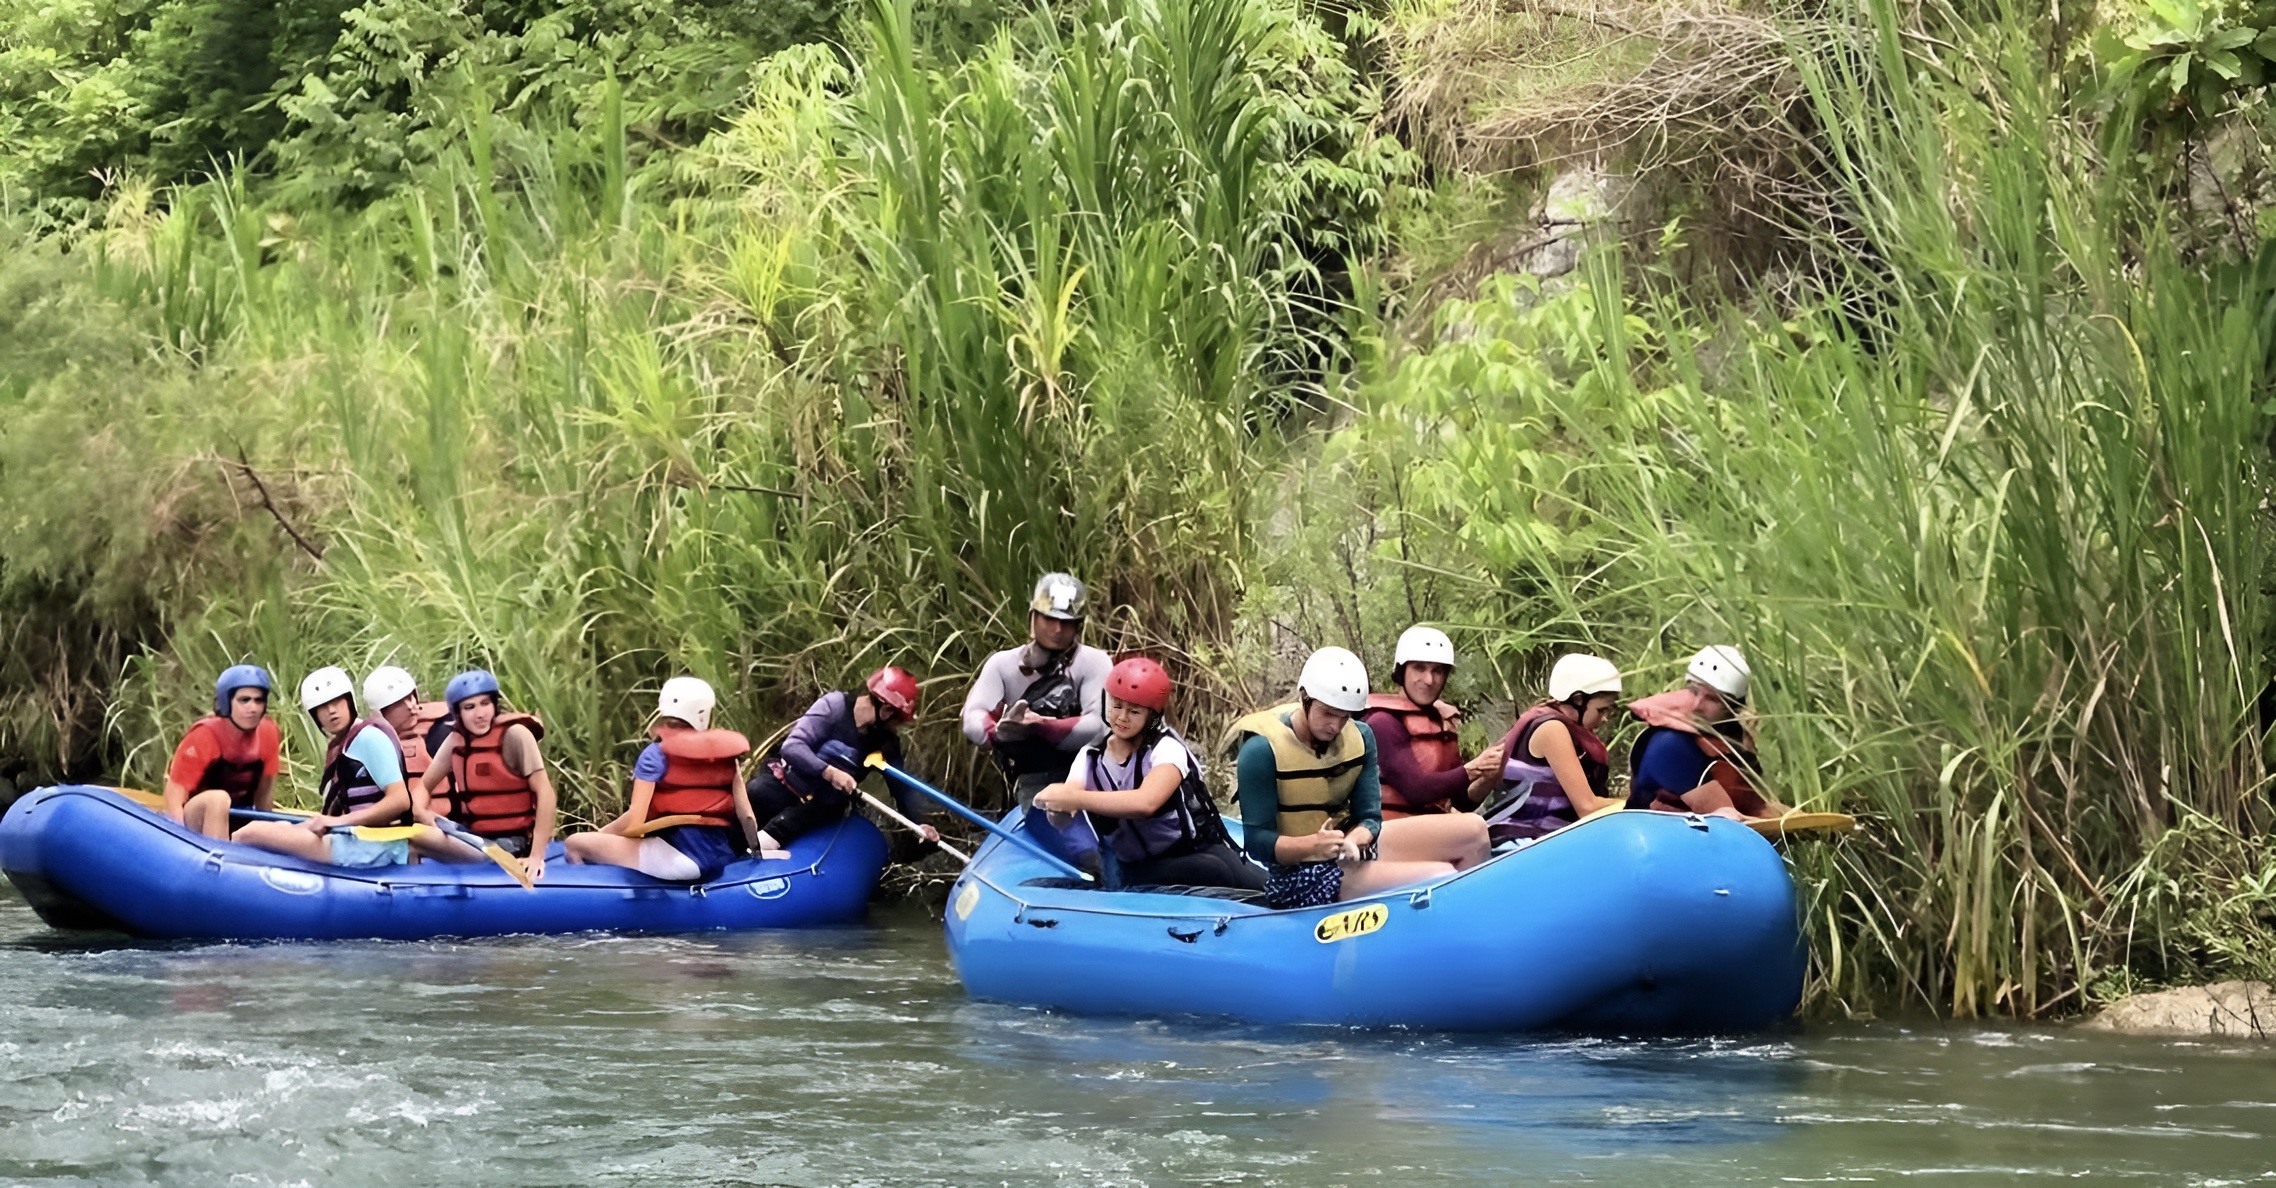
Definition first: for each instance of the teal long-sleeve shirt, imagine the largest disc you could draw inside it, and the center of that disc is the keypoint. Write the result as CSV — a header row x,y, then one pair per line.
x,y
1257,783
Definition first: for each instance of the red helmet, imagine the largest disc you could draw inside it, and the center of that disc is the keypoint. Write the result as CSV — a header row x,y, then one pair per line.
x,y
896,688
1140,681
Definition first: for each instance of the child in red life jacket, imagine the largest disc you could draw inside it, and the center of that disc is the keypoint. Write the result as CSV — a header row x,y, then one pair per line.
x,y
228,759
1697,754
689,777
488,775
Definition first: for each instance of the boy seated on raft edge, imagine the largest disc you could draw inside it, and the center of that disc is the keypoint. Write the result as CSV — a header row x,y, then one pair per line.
x,y
691,770
1143,784
1311,798
362,785
488,774
1697,752
228,759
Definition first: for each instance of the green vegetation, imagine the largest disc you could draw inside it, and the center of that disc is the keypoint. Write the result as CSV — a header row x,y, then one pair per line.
x,y
604,342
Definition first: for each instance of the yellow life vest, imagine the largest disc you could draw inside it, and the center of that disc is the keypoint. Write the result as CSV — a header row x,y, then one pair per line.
x,y
1314,786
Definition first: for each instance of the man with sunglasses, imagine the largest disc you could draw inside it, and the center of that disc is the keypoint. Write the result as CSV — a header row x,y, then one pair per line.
x,y
798,791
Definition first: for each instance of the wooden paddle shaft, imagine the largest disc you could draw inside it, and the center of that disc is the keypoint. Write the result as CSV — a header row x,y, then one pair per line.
x,y
915,828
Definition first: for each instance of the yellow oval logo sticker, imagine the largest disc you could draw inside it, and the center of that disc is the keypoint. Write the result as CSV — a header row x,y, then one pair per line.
x,y
1356,922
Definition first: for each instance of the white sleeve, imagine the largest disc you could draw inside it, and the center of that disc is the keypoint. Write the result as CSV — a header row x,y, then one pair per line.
x,y
1089,672
1172,752
986,696
1080,774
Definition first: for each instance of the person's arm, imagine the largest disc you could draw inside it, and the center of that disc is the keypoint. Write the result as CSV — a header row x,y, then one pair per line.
x,y
642,792
188,764
382,760
1401,771
801,747
1367,795
981,703
747,817
265,794
1142,801
438,771
1672,764
1552,743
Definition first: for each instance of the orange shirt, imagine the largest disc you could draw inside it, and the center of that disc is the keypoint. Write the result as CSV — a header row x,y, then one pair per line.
x,y
214,740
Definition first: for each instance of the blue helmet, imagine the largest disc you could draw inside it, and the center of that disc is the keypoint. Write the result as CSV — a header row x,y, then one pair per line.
x,y
467,684
233,678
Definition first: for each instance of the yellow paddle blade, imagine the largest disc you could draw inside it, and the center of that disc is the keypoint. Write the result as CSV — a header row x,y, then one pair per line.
x,y
511,865
137,795
1605,811
387,833
650,826
874,759
1799,823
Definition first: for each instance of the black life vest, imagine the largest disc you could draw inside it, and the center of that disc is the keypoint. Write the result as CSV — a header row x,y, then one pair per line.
x,y
348,785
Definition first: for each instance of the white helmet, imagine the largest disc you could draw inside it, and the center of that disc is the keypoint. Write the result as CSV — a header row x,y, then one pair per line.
x,y
387,685
325,686
1722,669
1427,644
1579,674
1335,677
689,699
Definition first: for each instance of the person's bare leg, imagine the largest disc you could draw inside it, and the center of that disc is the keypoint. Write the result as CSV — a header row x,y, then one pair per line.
x,y
437,846
1370,877
208,813
285,838
1457,838
606,849
1711,800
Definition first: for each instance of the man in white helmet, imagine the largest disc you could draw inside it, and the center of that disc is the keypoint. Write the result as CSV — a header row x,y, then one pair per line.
x,y
1310,786
1696,753
1034,706
393,694
1419,737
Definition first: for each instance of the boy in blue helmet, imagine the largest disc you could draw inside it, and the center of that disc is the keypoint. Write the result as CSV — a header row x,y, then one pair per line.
x,y
228,759
488,774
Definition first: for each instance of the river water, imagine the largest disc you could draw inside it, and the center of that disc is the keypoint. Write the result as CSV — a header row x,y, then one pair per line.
x,y
853,1057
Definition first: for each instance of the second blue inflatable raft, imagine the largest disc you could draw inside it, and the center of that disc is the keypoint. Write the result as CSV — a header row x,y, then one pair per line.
x,y
1640,922
89,858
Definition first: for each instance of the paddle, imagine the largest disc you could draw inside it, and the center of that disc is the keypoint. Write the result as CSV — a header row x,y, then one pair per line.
x,y
915,828
488,849
371,833
955,806
1799,823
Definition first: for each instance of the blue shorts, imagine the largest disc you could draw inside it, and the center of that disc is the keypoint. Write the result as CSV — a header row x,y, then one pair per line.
x,y
354,852
708,846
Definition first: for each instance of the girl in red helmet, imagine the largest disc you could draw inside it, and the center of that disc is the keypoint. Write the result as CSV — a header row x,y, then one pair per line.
x,y
797,791
1142,788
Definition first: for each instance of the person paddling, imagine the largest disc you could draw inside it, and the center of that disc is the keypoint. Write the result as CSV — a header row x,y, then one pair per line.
x,y
228,759
1419,737
1697,753
1557,769
1144,786
1310,787
1035,705
362,784
797,791
393,694
488,775
688,772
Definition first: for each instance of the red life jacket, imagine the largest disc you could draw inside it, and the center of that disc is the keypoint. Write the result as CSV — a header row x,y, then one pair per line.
x,y
239,766
487,796
699,775
1436,742
1730,762
416,760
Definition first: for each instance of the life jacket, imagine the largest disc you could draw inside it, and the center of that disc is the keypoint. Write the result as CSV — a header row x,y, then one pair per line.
x,y
487,795
1436,735
416,758
1545,806
1730,761
1050,693
1314,787
238,766
699,774
348,785
1187,821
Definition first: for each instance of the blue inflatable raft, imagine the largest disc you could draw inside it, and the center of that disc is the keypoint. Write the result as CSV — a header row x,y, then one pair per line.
x,y
1637,922
90,858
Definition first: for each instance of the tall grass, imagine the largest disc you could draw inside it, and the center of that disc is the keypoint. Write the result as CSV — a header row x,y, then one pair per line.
x,y
1988,519
826,391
